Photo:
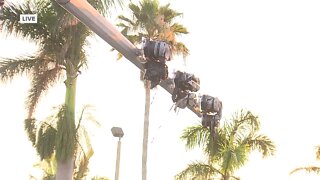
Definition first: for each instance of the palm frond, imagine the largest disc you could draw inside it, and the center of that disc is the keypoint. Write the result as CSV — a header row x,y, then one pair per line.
x,y
248,118
198,171
45,144
233,158
86,115
49,166
63,22
66,137
195,136
149,8
83,65
178,29
126,31
123,18
226,160
55,48
134,39
125,28
40,84
85,138
310,169
261,143
84,148
168,13
135,10
104,6
82,160
180,49
243,123
9,68
215,148
30,128
80,118
11,17
82,167
148,15
54,115
153,21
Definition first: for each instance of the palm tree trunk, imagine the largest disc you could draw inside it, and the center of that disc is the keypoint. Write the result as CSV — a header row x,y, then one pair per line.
x,y
226,176
64,170
65,162
146,131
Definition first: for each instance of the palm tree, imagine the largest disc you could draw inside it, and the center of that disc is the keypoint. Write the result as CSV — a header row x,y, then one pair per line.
x,y
61,39
45,133
155,22
235,140
310,169
149,20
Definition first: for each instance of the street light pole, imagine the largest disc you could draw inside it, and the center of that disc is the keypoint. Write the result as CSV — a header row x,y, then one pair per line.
x,y
117,132
118,159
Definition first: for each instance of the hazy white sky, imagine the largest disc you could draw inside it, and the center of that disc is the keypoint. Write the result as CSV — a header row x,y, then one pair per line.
x,y
258,55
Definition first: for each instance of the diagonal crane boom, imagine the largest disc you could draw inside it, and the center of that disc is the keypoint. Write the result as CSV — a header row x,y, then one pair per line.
x,y
103,28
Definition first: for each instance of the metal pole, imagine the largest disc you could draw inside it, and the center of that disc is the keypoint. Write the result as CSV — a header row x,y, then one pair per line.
x,y
118,160
145,132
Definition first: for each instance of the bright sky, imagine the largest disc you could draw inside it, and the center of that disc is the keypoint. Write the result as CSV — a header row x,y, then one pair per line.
x,y
258,55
